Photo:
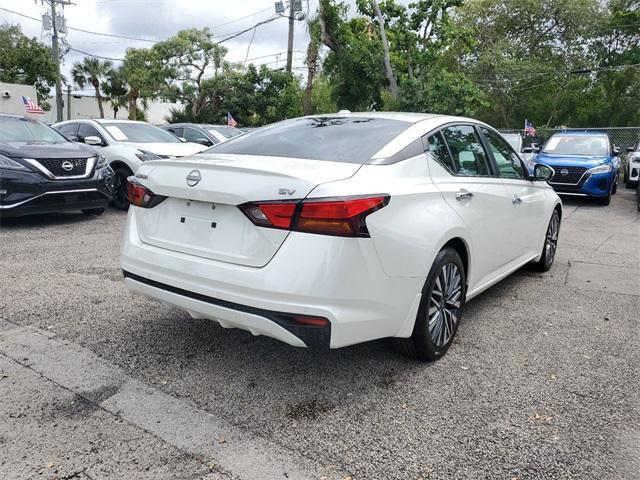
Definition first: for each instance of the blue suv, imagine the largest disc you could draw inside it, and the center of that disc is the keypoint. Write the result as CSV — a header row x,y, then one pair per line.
x,y
585,164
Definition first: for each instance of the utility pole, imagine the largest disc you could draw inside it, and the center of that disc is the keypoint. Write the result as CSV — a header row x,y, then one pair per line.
x,y
68,102
55,53
290,44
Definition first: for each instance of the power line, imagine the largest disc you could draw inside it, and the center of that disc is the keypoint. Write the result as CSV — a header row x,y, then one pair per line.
x,y
113,35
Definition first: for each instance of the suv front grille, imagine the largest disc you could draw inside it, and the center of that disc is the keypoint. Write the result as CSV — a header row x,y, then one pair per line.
x,y
64,167
568,175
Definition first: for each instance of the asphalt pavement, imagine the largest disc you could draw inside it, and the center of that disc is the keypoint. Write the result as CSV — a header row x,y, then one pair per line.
x,y
542,381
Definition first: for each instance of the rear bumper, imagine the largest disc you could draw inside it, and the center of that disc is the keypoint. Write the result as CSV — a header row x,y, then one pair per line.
x,y
27,193
340,279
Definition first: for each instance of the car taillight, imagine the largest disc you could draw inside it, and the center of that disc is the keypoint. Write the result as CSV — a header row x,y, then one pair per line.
x,y
141,196
343,216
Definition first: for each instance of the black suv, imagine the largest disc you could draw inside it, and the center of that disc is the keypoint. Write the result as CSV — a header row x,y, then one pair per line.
x,y
41,171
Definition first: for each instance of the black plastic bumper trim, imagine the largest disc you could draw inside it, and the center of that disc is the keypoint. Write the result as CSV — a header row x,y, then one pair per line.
x,y
314,337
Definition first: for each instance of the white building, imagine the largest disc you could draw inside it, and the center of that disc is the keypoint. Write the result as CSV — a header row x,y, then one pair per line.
x,y
82,106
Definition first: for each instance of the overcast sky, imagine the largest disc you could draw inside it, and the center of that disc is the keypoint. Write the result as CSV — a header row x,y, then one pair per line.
x,y
159,19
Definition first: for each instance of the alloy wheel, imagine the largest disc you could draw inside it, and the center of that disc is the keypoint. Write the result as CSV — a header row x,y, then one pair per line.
x,y
444,304
551,242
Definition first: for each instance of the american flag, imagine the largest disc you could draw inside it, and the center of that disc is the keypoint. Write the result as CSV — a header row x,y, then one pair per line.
x,y
231,122
528,128
31,106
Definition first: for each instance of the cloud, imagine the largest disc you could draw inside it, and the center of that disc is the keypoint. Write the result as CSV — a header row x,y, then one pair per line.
x,y
159,19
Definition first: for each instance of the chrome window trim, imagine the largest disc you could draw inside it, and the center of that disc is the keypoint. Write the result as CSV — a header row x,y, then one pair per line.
x,y
56,192
91,163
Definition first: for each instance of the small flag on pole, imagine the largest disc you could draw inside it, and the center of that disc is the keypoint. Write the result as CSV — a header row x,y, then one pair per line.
x,y
231,122
31,106
528,128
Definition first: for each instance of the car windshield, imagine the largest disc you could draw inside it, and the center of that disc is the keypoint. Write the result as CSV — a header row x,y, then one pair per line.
x,y
338,139
21,129
138,133
513,139
226,132
577,145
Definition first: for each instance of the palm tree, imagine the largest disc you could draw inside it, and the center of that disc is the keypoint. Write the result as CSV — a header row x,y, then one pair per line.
x,y
90,71
115,90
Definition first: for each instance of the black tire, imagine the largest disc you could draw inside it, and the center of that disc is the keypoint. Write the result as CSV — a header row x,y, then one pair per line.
x,y
615,187
94,211
604,200
421,344
630,184
120,200
550,244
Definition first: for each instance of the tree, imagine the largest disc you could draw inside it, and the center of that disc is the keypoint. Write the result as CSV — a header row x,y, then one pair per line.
x,y
115,90
92,71
26,61
148,76
189,53
393,86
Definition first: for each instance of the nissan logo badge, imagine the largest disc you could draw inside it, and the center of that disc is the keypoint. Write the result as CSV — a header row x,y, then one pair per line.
x,y
193,178
564,171
67,165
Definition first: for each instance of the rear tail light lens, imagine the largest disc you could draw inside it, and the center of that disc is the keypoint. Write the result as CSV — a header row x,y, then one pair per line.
x,y
141,196
344,216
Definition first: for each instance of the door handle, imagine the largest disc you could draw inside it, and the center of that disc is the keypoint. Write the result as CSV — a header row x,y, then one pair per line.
x,y
516,200
463,195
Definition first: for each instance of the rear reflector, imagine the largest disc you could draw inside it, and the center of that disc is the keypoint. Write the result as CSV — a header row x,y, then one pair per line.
x,y
140,196
311,321
344,216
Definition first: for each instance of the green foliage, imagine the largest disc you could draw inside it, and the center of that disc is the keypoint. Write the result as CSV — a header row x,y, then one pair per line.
x,y
91,71
254,98
26,61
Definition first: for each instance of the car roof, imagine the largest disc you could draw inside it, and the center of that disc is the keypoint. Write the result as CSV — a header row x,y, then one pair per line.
x,y
584,133
402,116
21,117
108,120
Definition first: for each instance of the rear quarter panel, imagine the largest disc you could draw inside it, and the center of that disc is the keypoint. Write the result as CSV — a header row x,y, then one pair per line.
x,y
413,227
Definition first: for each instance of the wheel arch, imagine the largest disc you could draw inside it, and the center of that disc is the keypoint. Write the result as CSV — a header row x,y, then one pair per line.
x,y
115,164
461,247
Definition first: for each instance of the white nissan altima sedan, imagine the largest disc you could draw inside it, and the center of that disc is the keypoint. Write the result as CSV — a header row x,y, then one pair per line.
x,y
327,231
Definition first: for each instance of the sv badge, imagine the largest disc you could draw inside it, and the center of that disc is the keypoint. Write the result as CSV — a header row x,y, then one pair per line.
x,y
286,191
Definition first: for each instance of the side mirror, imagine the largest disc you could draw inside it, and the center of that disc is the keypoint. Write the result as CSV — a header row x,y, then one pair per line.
x,y
542,172
203,141
92,140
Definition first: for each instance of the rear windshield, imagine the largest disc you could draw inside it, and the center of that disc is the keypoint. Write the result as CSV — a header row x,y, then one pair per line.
x,y
338,139
577,145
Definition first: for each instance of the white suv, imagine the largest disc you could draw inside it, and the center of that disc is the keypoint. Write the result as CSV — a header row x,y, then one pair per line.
x,y
632,170
126,144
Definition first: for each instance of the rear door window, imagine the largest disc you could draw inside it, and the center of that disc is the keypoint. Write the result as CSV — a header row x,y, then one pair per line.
x,y
467,153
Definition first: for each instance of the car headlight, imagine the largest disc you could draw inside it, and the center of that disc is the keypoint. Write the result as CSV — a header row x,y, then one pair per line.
x,y
102,161
600,169
7,164
145,156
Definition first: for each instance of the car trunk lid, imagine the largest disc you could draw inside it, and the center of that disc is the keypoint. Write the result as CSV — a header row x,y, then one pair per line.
x,y
201,215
